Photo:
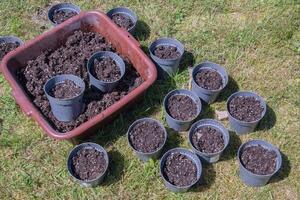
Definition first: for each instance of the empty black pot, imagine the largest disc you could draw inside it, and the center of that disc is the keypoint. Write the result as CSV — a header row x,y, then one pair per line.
x,y
125,11
65,109
68,7
104,86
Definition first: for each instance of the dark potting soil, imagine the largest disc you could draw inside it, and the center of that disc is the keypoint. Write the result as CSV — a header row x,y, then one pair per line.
x,y
245,109
71,58
147,136
5,48
65,90
106,69
122,20
182,107
209,79
89,164
179,170
208,139
259,160
60,16
166,52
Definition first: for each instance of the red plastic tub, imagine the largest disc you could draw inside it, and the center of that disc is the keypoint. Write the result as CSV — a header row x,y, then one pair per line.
x,y
92,21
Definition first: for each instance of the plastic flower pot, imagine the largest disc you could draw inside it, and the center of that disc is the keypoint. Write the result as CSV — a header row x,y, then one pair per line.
x,y
248,177
125,11
151,155
87,183
10,39
61,6
179,125
105,86
241,127
166,66
209,157
209,96
65,109
97,22
191,156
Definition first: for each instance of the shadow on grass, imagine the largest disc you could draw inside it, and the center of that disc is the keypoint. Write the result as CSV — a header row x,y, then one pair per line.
x,y
207,111
232,148
115,169
268,121
173,140
284,171
207,178
142,31
187,61
231,88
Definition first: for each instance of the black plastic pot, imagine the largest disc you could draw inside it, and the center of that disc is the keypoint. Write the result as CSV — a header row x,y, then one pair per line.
x,y
61,6
175,124
256,180
166,66
65,109
104,86
87,145
209,96
157,152
10,39
124,11
191,156
209,157
241,127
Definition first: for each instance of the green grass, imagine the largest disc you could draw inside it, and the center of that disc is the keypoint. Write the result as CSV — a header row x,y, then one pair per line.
x,y
257,41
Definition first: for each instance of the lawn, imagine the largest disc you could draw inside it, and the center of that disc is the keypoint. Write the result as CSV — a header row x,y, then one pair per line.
x,y
258,42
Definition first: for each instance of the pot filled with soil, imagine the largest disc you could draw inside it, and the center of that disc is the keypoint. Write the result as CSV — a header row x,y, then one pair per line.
x,y
124,17
105,70
61,12
245,110
181,108
166,53
87,164
258,162
208,80
65,94
8,44
208,139
147,138
180,169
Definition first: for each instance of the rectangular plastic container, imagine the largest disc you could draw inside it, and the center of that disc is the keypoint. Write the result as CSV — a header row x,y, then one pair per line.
x,y
89,21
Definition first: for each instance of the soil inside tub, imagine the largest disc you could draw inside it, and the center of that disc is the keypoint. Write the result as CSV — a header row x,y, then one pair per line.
x,y
259,160
71,58
89,164
60,16
147,136
122,20
209,79
208,139
5,48
166,52
245,109
182,107
65,90
106,69
180,170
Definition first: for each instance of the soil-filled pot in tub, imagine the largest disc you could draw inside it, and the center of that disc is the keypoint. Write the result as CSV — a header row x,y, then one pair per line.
x,y
258,162
87,164
61,12
124,18
105,70
166,53
65,94
180,169
245,110
147,138
181,108
8,44
208,80
208,138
